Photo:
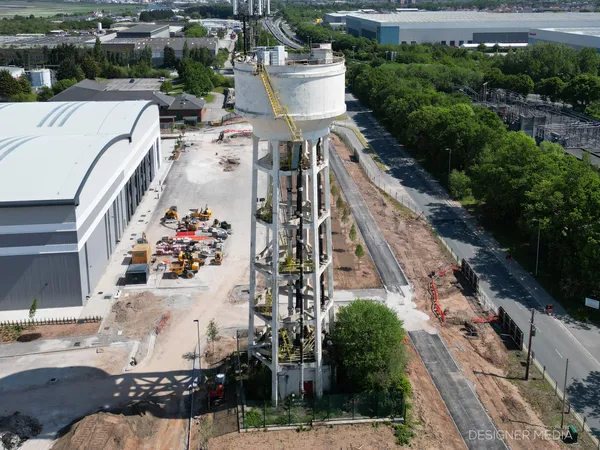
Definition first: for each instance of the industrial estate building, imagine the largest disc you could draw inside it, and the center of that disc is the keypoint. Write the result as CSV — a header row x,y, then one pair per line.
x,y
145,31
72,175
179,110
455,28
577,38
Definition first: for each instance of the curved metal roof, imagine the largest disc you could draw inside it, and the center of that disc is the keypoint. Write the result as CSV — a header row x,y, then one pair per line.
x,y
48,150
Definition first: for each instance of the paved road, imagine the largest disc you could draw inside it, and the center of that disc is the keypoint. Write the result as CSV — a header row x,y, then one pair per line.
x,y
462,402
274,29
469,415
389,270
505,283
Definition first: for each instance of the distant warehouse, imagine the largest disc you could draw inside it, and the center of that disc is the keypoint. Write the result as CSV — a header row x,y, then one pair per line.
x,y
73,174
455,28
577,38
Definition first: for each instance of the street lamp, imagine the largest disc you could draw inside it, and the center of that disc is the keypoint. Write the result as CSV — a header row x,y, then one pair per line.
x,y
449,165
199,352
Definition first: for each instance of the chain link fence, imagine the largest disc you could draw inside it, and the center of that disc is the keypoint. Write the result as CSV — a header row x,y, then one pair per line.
x,y
295,411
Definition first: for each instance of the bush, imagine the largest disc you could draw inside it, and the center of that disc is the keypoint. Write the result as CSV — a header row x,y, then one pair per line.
x,y
254,419
403,434
460,185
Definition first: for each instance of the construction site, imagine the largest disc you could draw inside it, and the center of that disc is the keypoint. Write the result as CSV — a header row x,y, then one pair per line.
x,y
239,255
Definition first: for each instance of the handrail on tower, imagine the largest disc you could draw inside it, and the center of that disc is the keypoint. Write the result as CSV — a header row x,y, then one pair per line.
x,y
279,110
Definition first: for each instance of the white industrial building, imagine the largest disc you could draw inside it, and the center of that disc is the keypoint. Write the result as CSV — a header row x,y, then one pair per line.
x,y
455,28
72,176
577,38
16,72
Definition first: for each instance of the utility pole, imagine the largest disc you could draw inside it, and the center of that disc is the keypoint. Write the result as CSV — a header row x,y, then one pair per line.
x,y
531,334
562,411
537,254
199,352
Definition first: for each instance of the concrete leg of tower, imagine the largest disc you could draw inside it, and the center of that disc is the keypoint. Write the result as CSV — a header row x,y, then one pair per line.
x,y
328,240
275,273
252,289
314,239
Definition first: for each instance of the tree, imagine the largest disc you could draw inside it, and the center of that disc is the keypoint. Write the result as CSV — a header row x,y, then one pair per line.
x,y
353,233
98,53
9,85
550,88
369,348
33,309
582,90
166,87
588,60
61,85
24,84
460,184
44,94
212,332
90,67
196,31
169,58
186,50
220,33
345,213
359,252
339,204
69,69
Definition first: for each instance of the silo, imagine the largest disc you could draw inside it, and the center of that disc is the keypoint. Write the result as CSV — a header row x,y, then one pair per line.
x,y
290,100
40,78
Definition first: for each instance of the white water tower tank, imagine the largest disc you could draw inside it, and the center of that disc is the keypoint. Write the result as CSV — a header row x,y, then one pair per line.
x,y
312,87
40,78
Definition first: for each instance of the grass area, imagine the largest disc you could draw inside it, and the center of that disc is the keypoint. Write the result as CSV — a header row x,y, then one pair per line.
x,y
220,89
208,98
47,9
540,394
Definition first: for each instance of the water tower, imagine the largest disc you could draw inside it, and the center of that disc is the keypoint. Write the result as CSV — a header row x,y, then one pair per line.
x,y
290,100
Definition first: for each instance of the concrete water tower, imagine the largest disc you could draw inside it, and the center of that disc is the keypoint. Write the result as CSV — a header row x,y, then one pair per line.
x,y
290,100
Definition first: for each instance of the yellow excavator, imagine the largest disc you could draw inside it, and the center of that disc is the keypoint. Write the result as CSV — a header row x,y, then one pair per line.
x,y
171,213
202,214
218,259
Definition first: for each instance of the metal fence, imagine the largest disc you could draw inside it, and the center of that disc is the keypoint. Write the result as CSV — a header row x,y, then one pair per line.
x,y
295,411
56,321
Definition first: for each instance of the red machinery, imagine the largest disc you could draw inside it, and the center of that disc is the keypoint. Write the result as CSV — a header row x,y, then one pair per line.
x,y
434,276
218,393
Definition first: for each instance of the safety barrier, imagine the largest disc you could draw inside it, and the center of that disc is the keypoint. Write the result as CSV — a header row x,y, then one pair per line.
x,y
53,321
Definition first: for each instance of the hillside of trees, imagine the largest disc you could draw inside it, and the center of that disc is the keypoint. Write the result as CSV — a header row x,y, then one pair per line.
x,y
516,186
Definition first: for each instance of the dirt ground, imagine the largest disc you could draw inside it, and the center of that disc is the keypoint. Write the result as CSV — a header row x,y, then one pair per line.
x,y
143,425
346,437
7,334
483,359
348,271
136,314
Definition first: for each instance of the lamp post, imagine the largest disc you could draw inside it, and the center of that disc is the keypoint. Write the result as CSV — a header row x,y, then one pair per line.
x,y
449,165
531,334
199,352
537,253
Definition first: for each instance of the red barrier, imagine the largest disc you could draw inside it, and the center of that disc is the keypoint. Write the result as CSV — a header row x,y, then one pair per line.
x,y
436,303
163,322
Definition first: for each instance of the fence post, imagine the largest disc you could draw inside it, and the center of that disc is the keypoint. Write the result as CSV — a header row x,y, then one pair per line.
x,y
328,407
377,406
555,387
353,406
264,414
290,411
544,373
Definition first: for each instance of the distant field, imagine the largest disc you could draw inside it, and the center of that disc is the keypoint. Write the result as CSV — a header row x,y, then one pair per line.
x,y
9,8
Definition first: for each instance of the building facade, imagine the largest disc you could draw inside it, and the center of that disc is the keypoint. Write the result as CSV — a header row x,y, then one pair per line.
x,y
576,38
96,161
455,28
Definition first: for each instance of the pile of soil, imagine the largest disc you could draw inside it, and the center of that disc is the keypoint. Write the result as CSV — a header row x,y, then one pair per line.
x,y
16,429
137,314
229,163
139,425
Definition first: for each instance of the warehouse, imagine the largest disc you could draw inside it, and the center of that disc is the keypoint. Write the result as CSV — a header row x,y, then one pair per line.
x,y
146,30
72,175
455,28
576,38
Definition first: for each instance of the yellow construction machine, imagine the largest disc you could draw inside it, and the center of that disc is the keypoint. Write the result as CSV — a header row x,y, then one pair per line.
x,y
171,213
191,258
218,259
202,214
184,268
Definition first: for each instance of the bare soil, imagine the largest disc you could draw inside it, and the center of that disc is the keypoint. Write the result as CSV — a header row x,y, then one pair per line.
x,y
484,360
144,425
10,334
348,271
137,314
346,437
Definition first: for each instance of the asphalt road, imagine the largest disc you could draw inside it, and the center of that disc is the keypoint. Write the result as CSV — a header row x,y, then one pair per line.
x,y
471,419
389,270
463,404
273,28
505,283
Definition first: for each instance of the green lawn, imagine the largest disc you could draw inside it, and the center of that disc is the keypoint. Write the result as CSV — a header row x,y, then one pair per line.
x,y
45,9
208,98
220,89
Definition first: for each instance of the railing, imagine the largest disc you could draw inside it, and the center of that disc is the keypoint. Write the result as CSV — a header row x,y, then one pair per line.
x,y
314,61
57,321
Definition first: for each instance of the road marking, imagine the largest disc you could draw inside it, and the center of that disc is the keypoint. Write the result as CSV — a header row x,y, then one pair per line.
x,y
558,353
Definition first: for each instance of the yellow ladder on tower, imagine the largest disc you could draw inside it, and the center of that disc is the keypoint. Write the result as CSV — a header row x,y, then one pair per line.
x,y
279,110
